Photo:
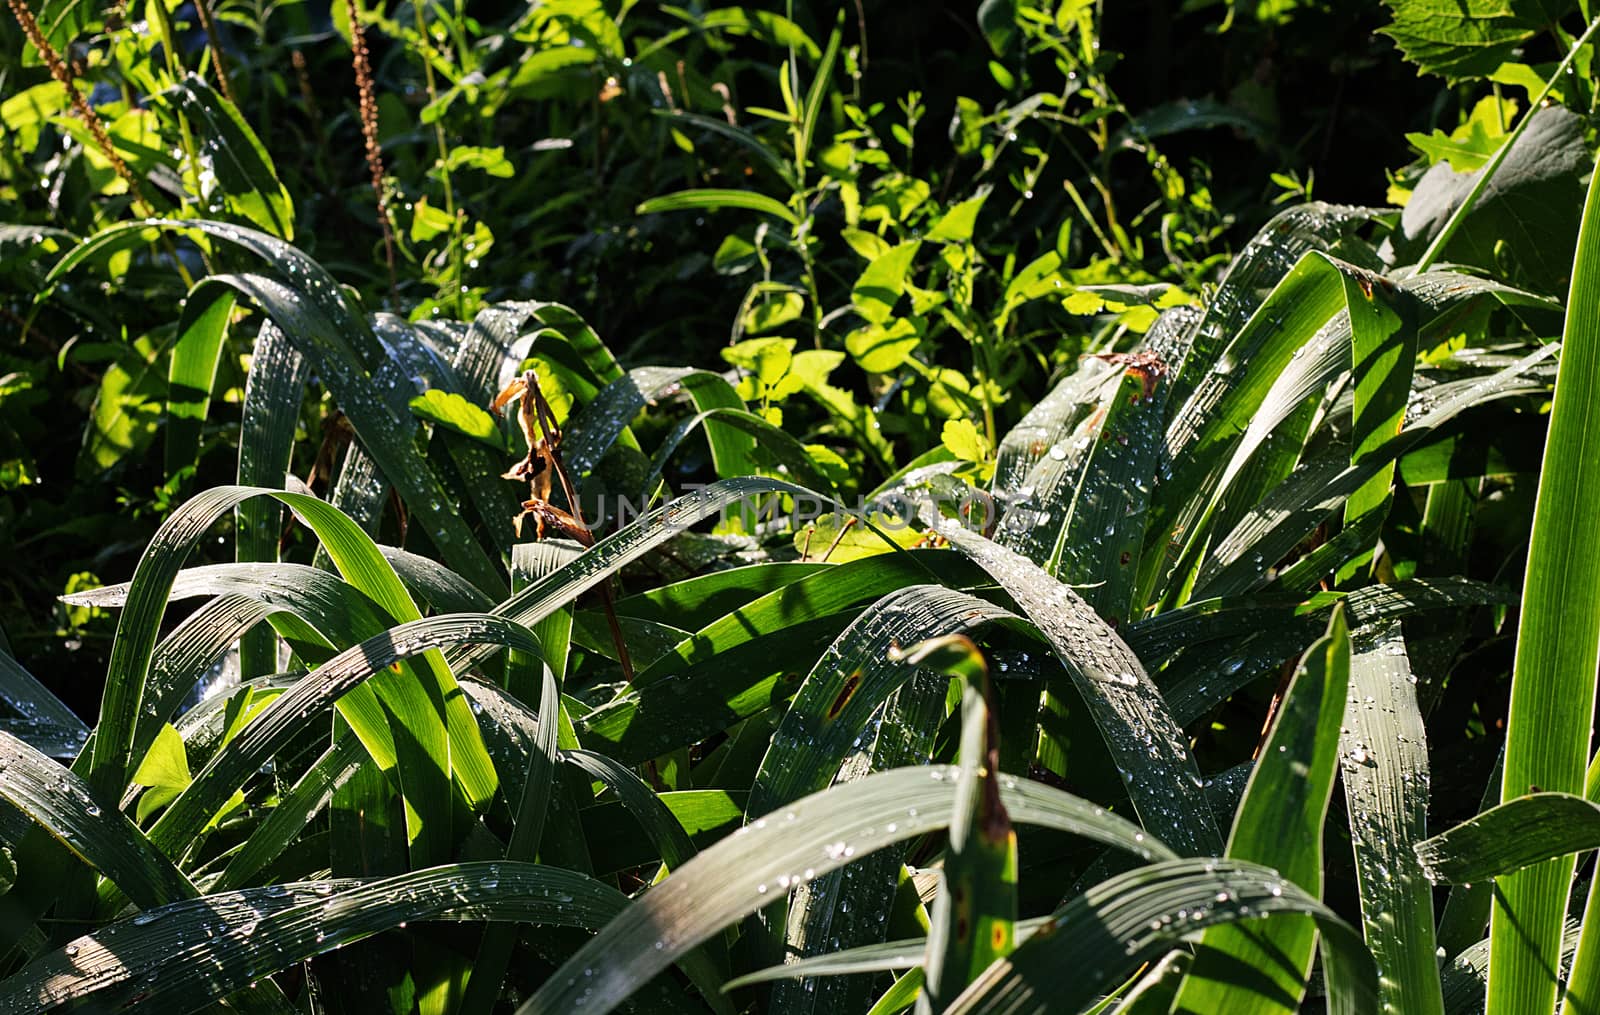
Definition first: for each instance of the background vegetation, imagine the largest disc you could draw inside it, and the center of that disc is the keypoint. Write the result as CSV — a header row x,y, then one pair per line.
x,y
1257,340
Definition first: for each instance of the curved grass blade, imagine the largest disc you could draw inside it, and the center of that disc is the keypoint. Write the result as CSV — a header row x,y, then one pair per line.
x,y
242,169
750,142
599,423
823,832
355,338
92,828
1260,266
1517,834
1109,931
881,957
1080,513
433,583
1146,743
1270,531
441,737
184,956
20,690
1279,824
850,682
714,198
612,553
843,908
1383,754
1051,420
375,409
784,449
315,694
1466,979
1558,646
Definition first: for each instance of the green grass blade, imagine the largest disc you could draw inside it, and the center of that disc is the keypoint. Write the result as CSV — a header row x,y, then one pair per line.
x,y
182,956
312,695
1146,743
714,198
88,824
1084,522
32,700
744,138
880,957
599,423
812,836
1383,328
1279,825
273,391
441,736
191,375
972,922
380,419
243,171
1100,937
817,94
529,814
1517,834
849,684
1271,529
1383,753
1558,642
783,449
1259,267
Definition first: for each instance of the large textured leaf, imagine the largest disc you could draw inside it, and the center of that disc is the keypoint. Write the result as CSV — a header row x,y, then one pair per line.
x,y
1527,213
1461,39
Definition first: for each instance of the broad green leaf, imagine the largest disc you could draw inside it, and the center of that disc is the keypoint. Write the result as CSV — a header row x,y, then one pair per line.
x,y
1461,39
882,347
879,286
1525,216
453,412
956,225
